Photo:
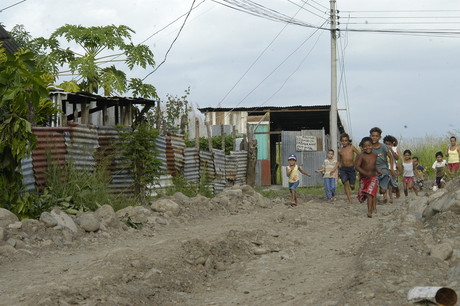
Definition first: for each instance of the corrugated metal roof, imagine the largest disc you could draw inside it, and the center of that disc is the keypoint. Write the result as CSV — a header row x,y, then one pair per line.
x,y
10,45
265,108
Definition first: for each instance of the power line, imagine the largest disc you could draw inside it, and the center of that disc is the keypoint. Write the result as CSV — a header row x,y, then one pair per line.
x,y
255,9
170,47
171,23
302,7
276,68
295,70
257,59
3,9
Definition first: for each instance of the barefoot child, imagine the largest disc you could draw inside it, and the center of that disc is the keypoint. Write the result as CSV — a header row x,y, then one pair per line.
x,y
366,164
392,144
419,172
438,167
292,171
384,167
408,173
329,171
347,172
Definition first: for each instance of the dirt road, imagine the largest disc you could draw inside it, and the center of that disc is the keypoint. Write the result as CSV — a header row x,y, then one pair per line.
x,y
314,254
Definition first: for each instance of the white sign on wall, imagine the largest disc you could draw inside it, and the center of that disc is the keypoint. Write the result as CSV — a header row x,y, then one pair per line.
x,y
306,143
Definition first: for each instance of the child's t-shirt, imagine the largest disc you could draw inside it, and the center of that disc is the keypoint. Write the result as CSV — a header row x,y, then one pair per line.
x,y
419,170
439,167
294,176
328,166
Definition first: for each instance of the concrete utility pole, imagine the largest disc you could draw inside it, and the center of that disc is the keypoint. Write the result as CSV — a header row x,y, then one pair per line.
x,y
333,112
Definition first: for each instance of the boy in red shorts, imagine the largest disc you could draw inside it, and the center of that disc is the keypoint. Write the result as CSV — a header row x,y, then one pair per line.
x,y
368,183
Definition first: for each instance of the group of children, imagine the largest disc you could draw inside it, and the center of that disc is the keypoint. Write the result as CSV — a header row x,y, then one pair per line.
x,y
378,168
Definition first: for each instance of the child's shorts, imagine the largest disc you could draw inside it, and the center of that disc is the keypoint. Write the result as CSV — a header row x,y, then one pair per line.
x,y
384,180
294,185
408,179
453,167
348,174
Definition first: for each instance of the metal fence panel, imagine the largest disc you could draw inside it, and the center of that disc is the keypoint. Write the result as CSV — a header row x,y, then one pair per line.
x,y
307,160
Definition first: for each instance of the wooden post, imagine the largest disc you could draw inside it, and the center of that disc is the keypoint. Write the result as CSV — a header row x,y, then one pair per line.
x,y
222,136
208,130
234,137
84,113
158,119
197,134
252,158
105,115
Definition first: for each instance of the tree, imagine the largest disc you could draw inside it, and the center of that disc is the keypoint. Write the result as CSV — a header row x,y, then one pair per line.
x,y
91,64
175,117
23,102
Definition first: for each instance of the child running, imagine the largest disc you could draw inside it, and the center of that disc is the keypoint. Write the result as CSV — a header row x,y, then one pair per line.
x,y
453,156
366,164
382,164
347,171
408,173
438,167
292,171
392,143
329,171
419,172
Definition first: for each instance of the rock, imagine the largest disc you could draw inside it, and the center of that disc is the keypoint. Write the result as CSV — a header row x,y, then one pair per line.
x,y
417,207
454,273
180,198
11,242
231,192
442,251
302,220
260,251
137,214
166,205
15,225
442,203
7,250
3,234
48,219
31,226
64,220
7,217
152,273
89,222
209,263
20,245
107,217
199,200
246,189
220,266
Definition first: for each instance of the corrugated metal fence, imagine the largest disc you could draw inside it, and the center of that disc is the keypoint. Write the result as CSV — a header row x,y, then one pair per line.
x,y
88,147
308,160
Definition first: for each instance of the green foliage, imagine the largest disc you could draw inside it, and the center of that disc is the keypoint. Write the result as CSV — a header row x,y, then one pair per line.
x,y
174,118
91,63
139,156
23,102
76,190
188,188
216,143
130,222
71,190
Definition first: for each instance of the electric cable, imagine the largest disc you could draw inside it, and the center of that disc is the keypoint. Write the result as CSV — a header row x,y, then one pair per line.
x,y
256,60
170,47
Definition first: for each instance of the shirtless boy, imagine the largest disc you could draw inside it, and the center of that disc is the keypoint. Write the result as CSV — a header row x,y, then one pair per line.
x,y
347,171
366,164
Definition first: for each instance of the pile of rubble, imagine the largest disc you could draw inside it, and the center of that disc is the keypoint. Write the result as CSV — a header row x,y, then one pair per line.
x,y
58,229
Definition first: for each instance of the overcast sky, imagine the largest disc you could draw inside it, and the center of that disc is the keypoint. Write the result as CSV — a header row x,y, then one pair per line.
x,y
407,84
